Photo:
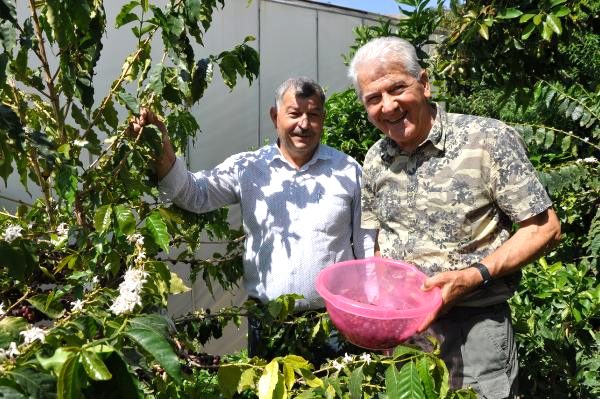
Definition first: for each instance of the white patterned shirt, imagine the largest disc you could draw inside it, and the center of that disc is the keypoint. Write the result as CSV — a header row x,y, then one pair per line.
x,y
296,221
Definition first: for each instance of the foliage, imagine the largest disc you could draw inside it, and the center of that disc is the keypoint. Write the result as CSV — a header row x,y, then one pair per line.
x,y
346,125
557,309
85,273
407,372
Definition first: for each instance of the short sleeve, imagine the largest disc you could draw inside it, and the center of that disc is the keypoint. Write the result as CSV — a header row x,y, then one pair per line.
x,y
514,182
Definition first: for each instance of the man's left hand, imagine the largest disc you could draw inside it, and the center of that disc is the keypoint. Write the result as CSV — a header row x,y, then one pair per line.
x,y
453,285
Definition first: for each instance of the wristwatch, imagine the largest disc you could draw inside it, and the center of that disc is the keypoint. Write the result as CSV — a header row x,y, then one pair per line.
x,y
485,274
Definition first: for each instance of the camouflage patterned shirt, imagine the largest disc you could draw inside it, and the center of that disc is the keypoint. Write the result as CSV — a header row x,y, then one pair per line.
x,y
454,199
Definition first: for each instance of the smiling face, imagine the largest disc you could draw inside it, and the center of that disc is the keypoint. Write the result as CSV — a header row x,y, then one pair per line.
x,y
396,102
299,124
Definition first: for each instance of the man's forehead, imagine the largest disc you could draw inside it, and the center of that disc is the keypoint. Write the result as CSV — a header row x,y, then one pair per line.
x,y
295,100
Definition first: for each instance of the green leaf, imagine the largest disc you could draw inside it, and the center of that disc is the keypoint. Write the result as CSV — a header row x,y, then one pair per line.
x,y
529,29
525,17
246,380
125,16
79,117
158,230
149,332
124,384
549,140
509,13
56,361
289,376
554,22
547,31
392,382
177,285
483,31
355,383
19,261
70,380
125,220
48,305
577,113
34,382
403,350
66,184
103,218
425,368
561,12
229,379
200,79
94,366
565,143
110,114
410,383
268,380
155,79
10,327
310,379
129,101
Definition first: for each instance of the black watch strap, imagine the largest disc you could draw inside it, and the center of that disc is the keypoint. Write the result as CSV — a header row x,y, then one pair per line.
x,y
485,273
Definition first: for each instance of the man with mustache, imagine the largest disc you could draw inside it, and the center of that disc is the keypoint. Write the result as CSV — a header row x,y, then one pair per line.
x,y
300,201
444,190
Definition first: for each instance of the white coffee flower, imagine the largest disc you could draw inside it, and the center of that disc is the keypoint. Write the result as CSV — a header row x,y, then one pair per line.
x,y
136,239
9,353
129,291
62,230
590,160
141,256
366,357
12,351
77,305
2,310
337,365
12,232
90,285
347,358
33,334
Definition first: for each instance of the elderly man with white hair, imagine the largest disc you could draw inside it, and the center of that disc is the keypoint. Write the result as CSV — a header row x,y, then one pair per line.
x,y
444,191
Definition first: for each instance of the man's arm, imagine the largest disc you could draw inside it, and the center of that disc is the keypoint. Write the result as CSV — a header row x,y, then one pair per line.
x,y
164,161
535,236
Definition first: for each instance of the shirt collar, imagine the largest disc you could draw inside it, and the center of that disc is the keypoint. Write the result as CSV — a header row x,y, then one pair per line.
x,y
273,153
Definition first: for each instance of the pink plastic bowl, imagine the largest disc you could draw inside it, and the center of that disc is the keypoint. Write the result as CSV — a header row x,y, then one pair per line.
x,y
376,303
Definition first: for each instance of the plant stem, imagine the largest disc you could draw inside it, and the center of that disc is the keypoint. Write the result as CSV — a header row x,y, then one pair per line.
x,y
53,95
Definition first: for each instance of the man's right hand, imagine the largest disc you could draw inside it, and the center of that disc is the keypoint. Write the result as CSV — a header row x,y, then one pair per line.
x,y
164,161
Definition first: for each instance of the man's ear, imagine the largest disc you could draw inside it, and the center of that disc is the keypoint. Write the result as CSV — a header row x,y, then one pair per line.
x,y
273,113
424,80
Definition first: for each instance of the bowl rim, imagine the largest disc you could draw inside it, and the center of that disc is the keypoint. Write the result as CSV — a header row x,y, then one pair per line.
x,y
371,311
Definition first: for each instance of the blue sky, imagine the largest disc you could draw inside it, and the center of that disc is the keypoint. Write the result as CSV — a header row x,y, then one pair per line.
x,y
385,7
376,6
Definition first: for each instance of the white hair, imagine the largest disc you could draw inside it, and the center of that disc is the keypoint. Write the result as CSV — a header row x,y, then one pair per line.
x,y
386,50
